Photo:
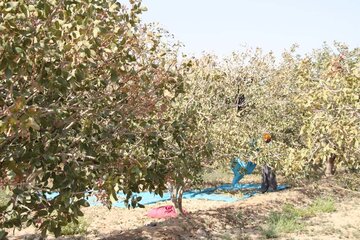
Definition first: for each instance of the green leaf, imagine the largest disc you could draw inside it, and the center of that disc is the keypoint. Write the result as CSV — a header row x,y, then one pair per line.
x,y
28,223
11,5
42,213
83,202
114,75
96,32
19,50
10,207
8,73
3,234
57,231
32,124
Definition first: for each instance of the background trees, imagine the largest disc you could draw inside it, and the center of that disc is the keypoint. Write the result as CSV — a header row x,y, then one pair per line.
x,y
329,81
310,106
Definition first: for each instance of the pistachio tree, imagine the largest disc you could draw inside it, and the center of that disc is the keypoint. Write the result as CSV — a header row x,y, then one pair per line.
x,y
309,105
81,85
329,82
234,95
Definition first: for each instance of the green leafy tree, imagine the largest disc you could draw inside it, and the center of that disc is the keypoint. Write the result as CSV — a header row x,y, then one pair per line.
x,y
186,140
82,84
310,107
329,81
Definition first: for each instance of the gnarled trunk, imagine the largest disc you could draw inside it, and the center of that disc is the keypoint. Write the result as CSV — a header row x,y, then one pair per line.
x,y
330,166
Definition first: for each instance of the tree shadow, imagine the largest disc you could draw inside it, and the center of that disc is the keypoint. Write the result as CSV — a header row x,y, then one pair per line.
x,y
241,220
218,223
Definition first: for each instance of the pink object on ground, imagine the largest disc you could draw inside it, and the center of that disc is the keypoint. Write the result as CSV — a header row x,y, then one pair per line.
x,y
163,212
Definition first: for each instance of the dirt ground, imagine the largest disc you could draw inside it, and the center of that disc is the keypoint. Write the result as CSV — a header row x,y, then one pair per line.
x,y
219,220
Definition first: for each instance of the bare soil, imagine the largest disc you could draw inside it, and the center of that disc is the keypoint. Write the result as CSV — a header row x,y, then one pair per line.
x,y
218,220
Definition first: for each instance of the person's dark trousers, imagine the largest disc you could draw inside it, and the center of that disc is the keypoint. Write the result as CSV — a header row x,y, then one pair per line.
x,y
268,179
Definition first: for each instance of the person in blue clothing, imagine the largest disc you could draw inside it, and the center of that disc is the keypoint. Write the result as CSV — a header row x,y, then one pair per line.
x,y
240,168
268,175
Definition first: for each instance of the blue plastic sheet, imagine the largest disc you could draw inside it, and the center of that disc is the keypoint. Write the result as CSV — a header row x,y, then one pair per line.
x,y
211,194
239,168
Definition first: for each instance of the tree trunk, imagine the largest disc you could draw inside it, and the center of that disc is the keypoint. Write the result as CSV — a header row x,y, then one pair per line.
x,y
172,191
330,165
180,195
176,198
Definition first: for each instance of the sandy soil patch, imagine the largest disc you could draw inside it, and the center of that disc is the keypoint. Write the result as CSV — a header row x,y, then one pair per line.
x,y
219,220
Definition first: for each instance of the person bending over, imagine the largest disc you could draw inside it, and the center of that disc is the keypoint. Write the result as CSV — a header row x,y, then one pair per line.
x,y
268,182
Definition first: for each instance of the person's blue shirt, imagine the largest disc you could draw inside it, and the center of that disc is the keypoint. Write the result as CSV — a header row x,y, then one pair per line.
x,y
240,169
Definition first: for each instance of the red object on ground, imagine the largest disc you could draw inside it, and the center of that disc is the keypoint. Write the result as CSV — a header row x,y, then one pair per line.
x,y
163,212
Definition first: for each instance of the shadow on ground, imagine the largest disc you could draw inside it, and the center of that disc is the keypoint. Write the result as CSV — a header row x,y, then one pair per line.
x,y
240,220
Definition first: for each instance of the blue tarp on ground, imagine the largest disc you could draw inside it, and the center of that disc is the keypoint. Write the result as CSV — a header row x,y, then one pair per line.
x,y
240,169
206,194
